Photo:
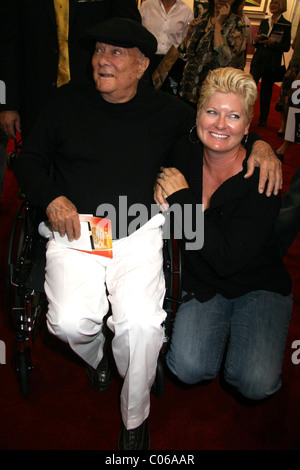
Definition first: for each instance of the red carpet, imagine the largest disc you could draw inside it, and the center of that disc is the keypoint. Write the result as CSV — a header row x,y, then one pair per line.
x,y
62,412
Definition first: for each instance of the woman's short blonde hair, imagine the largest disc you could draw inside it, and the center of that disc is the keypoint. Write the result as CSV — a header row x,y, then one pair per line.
x,y
230,80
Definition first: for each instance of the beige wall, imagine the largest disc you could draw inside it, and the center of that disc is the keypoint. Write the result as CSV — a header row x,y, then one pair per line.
x,y
190,3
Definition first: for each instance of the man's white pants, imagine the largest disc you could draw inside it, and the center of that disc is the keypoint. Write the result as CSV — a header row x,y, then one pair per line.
x,y
75,285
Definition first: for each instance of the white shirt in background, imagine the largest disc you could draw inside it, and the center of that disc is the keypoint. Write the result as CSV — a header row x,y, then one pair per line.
x,y
167,28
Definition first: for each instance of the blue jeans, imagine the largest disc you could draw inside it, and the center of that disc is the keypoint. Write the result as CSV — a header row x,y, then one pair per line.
x,y
252,329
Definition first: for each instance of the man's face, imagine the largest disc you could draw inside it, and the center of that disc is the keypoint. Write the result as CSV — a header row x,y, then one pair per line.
x,y
117,70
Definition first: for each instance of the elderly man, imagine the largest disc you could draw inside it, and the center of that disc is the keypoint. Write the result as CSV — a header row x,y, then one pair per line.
x,y
106,141
42,47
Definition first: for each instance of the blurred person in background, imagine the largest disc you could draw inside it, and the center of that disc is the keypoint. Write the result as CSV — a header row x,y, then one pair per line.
x,y
271,41
212,41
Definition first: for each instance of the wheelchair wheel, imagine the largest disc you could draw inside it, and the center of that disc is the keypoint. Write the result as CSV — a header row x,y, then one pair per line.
x,y
173,277
25,296
16,245
172,271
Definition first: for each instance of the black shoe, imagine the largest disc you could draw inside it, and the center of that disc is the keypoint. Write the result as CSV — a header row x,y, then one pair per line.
x,y
135,439
100,378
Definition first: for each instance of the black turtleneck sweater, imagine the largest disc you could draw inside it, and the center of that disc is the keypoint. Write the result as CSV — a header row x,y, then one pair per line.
x,y
99,151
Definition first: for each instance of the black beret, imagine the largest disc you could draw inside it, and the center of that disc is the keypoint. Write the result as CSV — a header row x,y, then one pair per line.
x,y
124,32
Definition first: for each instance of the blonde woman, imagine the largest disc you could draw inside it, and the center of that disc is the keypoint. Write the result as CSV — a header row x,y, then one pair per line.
x,y
238,301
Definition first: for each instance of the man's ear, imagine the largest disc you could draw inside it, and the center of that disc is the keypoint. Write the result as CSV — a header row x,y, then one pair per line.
x,y
144,64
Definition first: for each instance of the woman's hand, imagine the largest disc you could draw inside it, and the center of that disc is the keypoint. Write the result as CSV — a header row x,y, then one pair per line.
x,y
261,38
269,42
224,12
160,197
169,181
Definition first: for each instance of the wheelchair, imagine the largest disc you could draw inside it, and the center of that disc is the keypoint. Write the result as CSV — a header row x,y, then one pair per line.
x,y
25,297
26,300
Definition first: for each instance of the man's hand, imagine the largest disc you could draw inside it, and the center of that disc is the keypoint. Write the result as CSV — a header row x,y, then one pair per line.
x,y
64,218
263,156
10,123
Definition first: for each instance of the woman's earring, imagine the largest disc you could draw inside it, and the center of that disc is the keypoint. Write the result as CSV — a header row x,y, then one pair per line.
x,y
245,139
191,139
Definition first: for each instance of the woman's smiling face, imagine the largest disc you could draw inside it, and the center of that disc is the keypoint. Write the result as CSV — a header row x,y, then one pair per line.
x,y
222,122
